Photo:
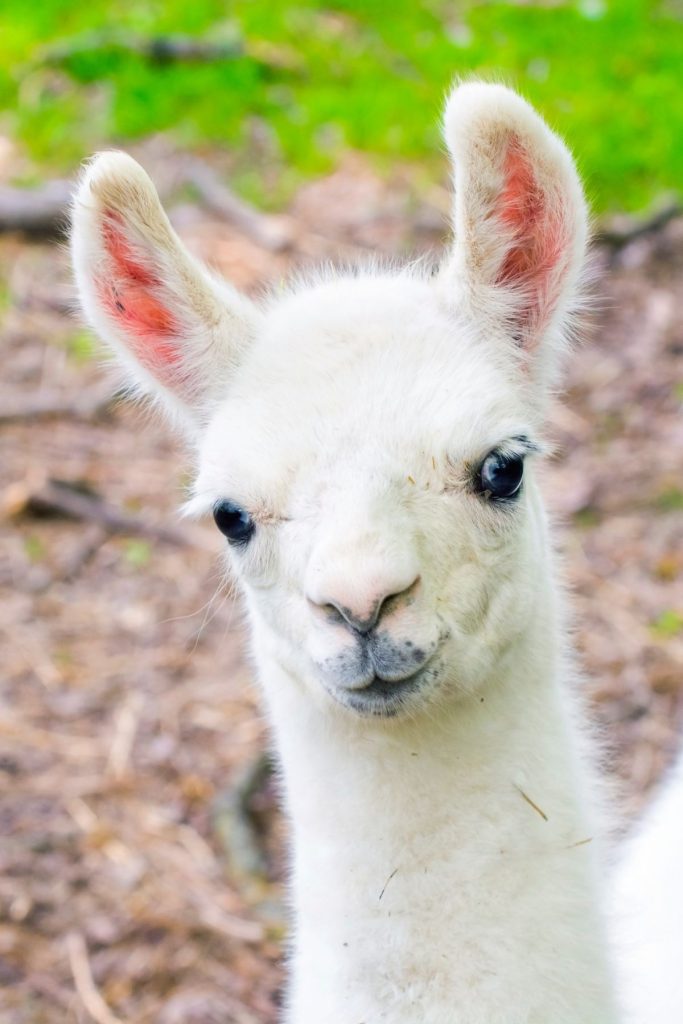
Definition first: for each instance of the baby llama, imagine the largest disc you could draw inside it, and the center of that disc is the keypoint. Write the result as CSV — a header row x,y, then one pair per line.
x,y
367,445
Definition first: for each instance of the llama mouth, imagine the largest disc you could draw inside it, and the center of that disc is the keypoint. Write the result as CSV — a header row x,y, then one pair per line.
x,y
383,698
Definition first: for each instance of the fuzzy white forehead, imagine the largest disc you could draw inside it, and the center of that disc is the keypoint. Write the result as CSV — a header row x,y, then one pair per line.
x,y
370,372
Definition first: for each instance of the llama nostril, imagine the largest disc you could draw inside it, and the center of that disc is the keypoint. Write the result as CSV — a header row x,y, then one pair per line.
x,y
333,613
363,620
359,623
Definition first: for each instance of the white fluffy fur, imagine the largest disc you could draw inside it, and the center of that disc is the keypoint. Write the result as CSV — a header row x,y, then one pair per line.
x,y
445,860
647,904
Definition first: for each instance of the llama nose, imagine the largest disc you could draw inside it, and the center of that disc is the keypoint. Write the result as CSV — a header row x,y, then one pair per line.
x,y
360,612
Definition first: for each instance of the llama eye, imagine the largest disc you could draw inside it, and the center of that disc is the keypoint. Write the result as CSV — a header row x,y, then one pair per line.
x,y
233,522
500,475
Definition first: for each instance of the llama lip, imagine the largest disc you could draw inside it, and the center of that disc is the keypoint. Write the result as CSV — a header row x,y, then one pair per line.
x,y
381,697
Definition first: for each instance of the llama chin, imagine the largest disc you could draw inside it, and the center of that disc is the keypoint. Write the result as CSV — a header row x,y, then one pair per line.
x,y
367,443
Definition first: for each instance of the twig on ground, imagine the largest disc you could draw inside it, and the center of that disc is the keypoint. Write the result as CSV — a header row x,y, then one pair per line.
x,y
67,745
39,212
93,539
62,498
270,232
617,238
228,925
125,728
162,49
44,212
84,982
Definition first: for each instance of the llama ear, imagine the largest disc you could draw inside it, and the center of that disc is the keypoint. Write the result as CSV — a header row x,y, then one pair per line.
x,y
520,217
178,331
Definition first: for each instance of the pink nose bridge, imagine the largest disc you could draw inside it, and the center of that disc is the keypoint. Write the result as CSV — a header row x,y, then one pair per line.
x,y
357,586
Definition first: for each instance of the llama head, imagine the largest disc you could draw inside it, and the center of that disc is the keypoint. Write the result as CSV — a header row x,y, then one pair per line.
x,y
365,441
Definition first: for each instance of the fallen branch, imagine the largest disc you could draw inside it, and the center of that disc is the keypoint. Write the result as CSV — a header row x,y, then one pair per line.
x,y
126,724
272,233
94,537
61,498
39,212
617,238
171,49
44,212
84,983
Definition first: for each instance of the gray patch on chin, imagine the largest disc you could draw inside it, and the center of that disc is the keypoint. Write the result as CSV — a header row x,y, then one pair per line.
x,y
348,666
392,659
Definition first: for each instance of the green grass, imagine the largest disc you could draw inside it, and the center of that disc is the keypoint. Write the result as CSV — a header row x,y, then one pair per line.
x,y
669,623
313,79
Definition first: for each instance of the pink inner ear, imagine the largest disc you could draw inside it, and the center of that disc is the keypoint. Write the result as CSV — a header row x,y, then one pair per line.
x,y
130,299
540,239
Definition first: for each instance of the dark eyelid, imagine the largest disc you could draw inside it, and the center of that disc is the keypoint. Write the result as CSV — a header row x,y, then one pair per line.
x,y
518,444
532,447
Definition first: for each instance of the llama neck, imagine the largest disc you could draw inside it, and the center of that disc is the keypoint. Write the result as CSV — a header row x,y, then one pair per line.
x,y
444,869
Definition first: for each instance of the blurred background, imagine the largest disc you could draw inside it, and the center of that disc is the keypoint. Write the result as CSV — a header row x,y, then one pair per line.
x,y
142,851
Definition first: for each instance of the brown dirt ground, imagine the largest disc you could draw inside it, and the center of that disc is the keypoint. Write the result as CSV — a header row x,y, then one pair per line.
x,y
128,716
